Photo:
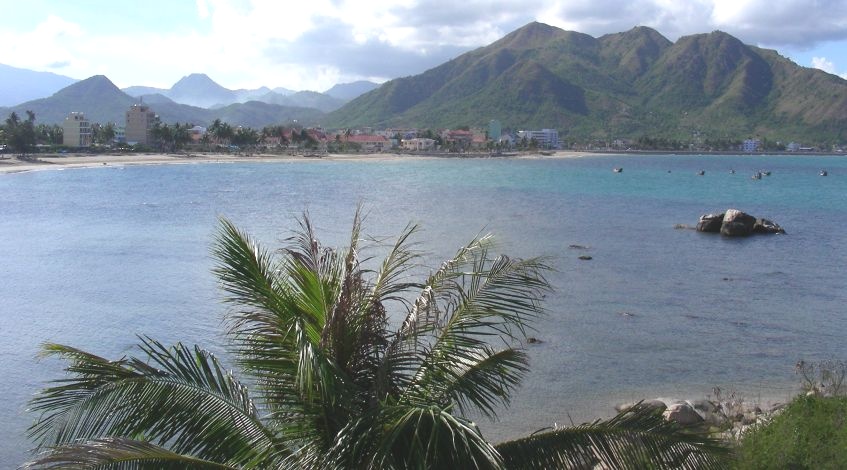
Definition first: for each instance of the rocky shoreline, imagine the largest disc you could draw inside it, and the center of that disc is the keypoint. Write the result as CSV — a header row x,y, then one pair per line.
x,y
726,415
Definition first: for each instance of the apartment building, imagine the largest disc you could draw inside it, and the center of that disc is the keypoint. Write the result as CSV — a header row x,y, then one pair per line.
x,y
76,131
139,122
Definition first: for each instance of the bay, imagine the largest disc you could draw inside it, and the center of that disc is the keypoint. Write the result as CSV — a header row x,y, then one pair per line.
x,y
94,257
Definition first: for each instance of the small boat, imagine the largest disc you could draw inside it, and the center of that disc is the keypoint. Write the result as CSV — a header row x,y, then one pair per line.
x,y
731,171
757,175
765,173
823,173
701,172
617,169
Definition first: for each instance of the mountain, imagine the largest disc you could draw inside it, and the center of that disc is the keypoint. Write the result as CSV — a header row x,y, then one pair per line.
x,y
199,90
137,91
622,85
21,85
257,114
102,102
349,91
304,99
97,97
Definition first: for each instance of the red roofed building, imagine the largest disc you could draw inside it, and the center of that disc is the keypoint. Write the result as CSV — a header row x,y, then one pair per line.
x,y
370,143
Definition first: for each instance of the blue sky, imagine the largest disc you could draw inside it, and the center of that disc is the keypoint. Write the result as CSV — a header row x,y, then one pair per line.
x,y
317,43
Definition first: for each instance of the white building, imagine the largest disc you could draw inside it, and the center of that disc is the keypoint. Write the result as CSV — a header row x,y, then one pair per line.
x,y
76,131
419,144
546,138
751,145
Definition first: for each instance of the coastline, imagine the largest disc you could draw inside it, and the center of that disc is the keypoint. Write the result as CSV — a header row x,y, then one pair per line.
x,y
58,162
11,164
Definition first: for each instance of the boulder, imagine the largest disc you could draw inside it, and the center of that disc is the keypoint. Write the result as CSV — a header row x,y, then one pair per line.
x,y
654,404
710,223
704,406
682,413
737,223
766,226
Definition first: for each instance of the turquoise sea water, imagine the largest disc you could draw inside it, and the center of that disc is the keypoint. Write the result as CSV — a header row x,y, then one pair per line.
x,y
93,257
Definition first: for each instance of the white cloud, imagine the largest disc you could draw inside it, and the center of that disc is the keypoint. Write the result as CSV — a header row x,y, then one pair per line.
x,y
827,66
202,9
51,42
313,44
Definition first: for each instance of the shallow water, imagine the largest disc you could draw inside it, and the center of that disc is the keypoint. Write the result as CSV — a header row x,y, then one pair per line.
x,y
93,257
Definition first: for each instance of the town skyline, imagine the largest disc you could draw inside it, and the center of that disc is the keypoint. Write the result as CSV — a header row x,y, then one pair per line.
x,y
314,45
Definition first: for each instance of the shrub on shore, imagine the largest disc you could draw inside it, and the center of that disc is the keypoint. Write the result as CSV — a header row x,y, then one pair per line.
x,y
810,433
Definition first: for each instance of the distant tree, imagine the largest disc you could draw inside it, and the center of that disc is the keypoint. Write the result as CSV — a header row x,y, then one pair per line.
x,y
49,135
222,132
103,134
20,135
245,137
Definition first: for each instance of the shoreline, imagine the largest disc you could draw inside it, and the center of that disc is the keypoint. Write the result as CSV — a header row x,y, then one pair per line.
x,y
11,164
70,161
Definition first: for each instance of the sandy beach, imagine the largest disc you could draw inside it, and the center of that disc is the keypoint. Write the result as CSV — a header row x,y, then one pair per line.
x,y
11,164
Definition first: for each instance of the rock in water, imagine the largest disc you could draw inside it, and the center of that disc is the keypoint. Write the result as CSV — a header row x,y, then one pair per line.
x,y
737,223
766,226
710,223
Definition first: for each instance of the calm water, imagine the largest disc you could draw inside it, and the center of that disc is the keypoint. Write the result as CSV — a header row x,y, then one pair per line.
x,y
93,257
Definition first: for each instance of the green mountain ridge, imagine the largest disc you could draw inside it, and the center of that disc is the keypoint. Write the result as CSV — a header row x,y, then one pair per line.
x,y
623,85
103,102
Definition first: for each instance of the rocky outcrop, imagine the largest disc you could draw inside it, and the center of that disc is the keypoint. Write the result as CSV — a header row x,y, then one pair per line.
x,y
735,223
766,226
710,223
728,417
683,413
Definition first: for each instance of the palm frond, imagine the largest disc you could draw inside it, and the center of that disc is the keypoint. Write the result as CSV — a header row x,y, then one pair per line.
x,y
118,454
189,403
403,437
637,439
496,299
480,380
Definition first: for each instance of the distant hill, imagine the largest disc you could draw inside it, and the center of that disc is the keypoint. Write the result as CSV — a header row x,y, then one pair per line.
x,y
257,114
137,91
620,85
21,85
305,99
97,97
102,101
201,91
349,91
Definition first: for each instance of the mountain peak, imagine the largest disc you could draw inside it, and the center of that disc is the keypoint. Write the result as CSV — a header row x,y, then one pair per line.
x,y
90,86
195,80
531,35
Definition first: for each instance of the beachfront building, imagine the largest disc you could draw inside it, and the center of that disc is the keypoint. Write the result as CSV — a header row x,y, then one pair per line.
x,y
418,144
76,131
370,142
546,138
120,135
457,140
751,145
139,122
495,130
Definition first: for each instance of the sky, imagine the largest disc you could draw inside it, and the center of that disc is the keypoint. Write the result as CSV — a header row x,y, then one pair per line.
x,y
314,44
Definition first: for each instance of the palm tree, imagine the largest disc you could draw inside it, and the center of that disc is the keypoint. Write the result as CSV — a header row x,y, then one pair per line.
x,y
354,366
